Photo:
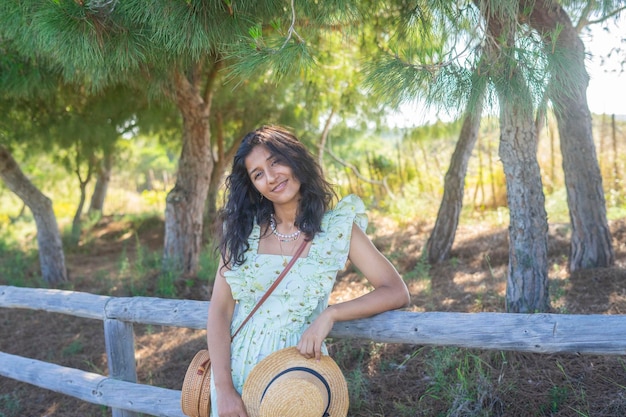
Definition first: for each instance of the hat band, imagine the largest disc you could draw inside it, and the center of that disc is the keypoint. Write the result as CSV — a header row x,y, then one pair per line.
x,y
312,372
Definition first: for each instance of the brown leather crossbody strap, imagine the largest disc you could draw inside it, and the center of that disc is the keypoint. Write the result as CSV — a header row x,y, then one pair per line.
x,y
272,287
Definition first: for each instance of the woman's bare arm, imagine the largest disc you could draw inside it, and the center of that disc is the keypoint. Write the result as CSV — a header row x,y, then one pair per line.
x,y
221,310
389,293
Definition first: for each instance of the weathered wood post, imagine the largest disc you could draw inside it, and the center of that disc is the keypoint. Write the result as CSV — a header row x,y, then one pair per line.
x,y
119,339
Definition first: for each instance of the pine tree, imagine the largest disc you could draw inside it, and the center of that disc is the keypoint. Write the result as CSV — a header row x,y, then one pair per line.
x,y
448,71
175,50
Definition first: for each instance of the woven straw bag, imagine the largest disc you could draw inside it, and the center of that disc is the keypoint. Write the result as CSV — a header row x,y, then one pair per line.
x,y
195,398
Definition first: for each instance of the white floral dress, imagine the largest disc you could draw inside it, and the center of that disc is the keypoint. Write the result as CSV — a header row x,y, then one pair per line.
x,y
299,298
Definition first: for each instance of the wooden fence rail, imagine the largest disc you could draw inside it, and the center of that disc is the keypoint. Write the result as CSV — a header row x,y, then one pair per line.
x,y
122,396
540,333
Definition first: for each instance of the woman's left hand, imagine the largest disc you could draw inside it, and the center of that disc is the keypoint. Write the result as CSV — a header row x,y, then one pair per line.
x,y
310,344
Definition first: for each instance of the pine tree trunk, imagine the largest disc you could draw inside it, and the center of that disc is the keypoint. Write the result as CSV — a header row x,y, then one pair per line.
x,y
442,236
51,256
185,203
591,244
96,204
224,159
77,221
211,205
617,177
527,278
217,172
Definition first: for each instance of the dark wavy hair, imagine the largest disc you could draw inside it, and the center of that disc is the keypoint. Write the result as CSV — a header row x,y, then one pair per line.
x,y
244,205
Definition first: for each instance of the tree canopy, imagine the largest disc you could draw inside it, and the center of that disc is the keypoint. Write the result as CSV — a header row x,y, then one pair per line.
x,y
224,67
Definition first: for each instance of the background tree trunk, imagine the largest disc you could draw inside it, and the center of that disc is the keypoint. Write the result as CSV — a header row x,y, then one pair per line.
x,y
224,158
216,176
591,238
324,137
103,179
51,256
527,278
617,176
442,236
77,220
184,210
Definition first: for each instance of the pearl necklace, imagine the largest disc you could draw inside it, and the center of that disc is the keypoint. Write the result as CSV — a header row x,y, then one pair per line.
x,y
280,236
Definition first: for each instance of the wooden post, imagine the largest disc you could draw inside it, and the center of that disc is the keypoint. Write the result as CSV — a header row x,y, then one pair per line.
x,y
119,339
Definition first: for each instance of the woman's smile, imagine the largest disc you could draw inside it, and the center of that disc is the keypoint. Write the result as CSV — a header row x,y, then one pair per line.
x,y
280,187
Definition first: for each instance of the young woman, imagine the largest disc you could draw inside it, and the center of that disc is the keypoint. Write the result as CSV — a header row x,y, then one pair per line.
x,y
276,198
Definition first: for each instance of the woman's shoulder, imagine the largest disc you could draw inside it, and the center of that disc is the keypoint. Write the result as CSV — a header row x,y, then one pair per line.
x,y
349,209
351,203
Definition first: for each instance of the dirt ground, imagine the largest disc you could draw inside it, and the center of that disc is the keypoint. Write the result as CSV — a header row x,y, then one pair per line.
x,y
385,379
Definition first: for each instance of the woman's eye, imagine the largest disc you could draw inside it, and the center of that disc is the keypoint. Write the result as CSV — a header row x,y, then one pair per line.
x,y
257,175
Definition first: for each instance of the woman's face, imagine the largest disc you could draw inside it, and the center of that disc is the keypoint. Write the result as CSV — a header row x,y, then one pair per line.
x,y
271,176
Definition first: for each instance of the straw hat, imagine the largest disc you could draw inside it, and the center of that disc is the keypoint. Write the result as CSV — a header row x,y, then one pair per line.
x,y
286,384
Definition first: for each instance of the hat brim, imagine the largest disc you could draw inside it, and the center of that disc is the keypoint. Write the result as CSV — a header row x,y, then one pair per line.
x,y
275,363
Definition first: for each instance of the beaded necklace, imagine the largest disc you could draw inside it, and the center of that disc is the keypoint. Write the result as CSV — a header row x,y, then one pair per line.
x,y
280,236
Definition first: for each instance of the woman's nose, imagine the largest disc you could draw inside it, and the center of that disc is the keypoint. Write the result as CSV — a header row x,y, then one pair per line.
x,y
270,175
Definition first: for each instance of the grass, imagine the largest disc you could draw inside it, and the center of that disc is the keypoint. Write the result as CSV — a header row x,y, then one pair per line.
x,y
452,382
137,272
209,262
560,394
74,348
17,260
10,405
138,268
356,378
462,379
421,271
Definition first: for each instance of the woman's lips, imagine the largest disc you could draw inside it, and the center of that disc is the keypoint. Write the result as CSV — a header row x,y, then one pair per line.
x,y
280,186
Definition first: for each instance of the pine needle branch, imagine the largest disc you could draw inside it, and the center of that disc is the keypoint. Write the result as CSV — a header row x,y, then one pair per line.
x,y
292,27
607,16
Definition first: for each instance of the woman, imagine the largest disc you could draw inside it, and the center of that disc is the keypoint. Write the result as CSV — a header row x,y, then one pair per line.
x,y
277,197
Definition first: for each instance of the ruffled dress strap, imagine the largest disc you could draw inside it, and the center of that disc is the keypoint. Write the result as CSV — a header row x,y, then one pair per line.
x,y
336,232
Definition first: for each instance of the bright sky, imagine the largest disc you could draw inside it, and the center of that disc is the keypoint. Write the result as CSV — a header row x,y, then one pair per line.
x,y
607,86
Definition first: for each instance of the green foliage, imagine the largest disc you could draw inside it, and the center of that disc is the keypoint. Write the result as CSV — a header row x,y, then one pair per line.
x,y
357,387
17,262
137,273
421,271
557,396
209,262
345,353
560,394
420,54
75,347
165,285
272,58
10,405
463,380
24,75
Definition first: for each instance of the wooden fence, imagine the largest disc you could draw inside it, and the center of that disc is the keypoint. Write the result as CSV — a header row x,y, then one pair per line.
x,y
540,333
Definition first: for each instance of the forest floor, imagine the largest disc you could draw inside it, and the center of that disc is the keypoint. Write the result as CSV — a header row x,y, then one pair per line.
x,y
385,379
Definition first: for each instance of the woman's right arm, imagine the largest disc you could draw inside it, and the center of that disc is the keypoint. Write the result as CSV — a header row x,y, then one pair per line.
x,y
221,310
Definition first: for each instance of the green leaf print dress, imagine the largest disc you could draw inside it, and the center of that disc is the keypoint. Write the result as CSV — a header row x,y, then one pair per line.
x,y
299,298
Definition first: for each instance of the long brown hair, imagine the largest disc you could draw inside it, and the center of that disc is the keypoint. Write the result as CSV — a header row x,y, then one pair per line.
x,y
244,204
